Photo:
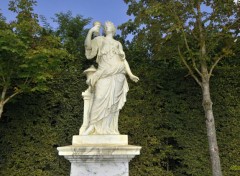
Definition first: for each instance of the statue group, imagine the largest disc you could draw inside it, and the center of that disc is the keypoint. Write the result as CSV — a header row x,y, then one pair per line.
x,y
108,85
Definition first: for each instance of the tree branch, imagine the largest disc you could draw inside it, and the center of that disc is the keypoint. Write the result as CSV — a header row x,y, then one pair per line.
x,y
219,59
189,68
10,97
190,52
26,81
195,67
3,92
3,79
214,65
186,42
194,36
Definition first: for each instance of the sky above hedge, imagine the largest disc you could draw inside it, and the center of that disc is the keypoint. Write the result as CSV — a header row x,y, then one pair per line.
x,y
98,10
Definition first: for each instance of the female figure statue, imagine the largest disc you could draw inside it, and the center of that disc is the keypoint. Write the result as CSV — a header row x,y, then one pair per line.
x,y
108,83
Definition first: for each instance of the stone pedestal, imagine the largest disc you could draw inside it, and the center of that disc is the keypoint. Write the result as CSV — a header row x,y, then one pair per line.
x,y
99,155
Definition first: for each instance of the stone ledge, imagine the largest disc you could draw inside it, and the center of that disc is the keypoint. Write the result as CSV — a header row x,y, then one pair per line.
x,y
100,139
107,150
99,159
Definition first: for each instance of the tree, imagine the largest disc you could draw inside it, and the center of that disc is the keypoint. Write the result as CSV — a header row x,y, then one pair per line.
x,y
71,31
204,32
29,55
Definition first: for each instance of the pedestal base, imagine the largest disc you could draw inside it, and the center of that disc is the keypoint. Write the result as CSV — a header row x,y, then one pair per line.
x,y
99,155
99,169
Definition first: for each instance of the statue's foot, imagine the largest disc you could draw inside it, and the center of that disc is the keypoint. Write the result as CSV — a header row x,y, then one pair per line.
x,y
88,131
82,129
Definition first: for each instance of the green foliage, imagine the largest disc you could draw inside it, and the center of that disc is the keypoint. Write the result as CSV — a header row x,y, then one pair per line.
x,y
163,26
199,33
72,34
12,49
34,127
48,120
163,112
26,24
29,56
168,124
227,105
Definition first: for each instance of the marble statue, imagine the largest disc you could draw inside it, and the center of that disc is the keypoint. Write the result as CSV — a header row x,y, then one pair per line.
x,y
108,85
99,149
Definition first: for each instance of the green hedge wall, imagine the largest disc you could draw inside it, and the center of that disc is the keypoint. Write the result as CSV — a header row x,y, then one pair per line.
x,y
36,125
163,114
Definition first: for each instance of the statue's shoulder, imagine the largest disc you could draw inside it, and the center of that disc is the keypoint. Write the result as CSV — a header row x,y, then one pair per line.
x,y
119,43
98,40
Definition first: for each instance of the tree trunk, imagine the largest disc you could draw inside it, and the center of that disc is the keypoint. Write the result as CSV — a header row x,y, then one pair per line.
x,y
4,91
207,102
1,109
211,131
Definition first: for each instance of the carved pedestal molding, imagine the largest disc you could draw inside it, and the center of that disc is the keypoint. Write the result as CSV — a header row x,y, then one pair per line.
x,y
99,155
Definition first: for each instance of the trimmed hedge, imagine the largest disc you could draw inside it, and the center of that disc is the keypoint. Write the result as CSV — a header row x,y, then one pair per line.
x,y
163,114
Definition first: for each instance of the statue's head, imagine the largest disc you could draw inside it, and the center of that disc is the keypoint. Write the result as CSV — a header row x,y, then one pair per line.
x,y
109,28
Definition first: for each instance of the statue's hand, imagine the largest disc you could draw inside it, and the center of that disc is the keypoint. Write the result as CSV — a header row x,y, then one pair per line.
x,y
134,78
95,29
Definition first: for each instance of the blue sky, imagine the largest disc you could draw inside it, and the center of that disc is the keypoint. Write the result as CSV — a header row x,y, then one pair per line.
x,y
98,10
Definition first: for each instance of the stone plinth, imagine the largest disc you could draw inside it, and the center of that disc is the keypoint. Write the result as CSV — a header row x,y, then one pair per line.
x,y
99,155
100,139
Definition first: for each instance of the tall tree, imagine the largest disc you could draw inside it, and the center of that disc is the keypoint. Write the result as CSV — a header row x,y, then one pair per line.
x,y
204,32
29,56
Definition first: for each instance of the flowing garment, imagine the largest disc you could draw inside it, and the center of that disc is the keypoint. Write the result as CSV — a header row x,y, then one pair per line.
x,y
109,84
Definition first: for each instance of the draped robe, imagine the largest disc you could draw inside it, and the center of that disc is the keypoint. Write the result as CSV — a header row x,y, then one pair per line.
x,y
109,84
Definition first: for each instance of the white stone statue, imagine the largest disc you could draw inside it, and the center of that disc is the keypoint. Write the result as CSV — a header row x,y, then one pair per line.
x,y
108,85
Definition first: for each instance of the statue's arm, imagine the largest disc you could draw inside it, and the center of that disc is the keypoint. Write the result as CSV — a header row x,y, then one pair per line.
x,y
127,67
91,47
129,72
